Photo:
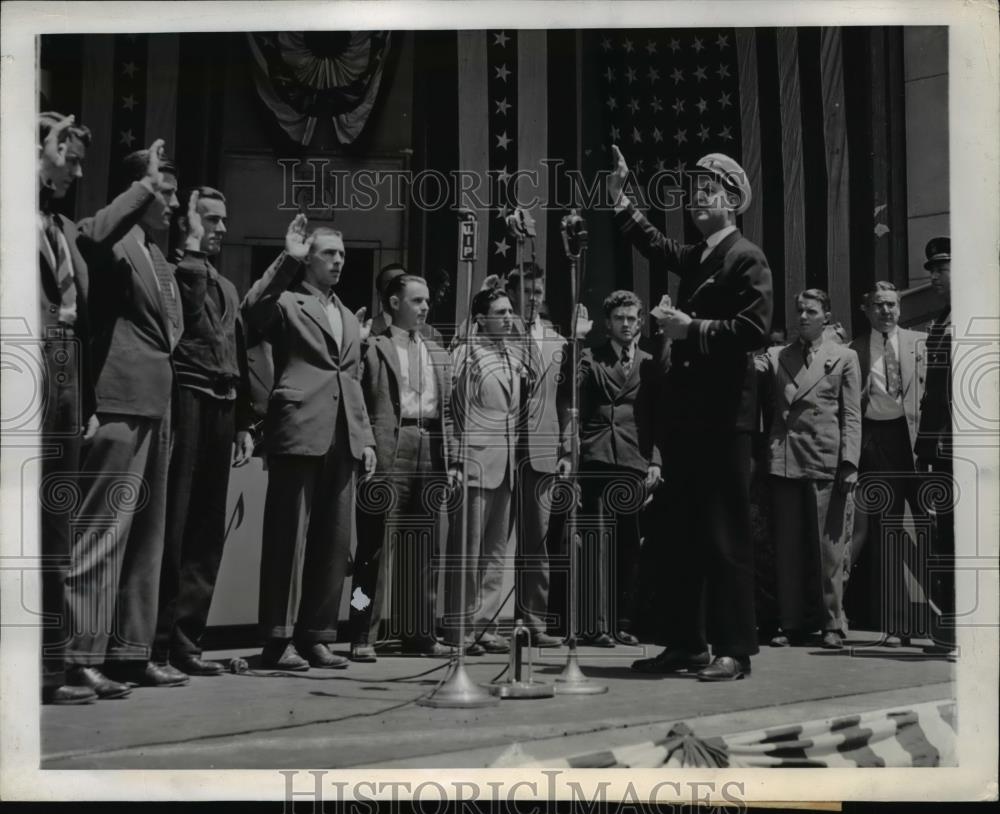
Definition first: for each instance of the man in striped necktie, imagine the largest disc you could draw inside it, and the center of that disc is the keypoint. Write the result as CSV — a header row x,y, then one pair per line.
x,y
69,391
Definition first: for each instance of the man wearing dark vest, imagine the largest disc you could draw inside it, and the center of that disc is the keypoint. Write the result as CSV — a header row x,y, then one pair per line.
x,y
136,316
723,313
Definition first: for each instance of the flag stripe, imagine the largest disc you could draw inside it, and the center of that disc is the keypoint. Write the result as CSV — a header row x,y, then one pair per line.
x,y
772,220
473,146
501,80
532,139
792,169
161,85
838,176
750,132
95,112
814,183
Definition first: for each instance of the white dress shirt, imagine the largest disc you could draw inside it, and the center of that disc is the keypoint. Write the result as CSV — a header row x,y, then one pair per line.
x,y
633,348
415,403
715,239
882,406
332,312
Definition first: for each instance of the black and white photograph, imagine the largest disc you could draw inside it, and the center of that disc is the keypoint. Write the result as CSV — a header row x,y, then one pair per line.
x,y
518,391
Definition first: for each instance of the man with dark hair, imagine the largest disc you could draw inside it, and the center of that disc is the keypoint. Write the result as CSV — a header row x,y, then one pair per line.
x,y
407,387
205,362
137,321
316,435
387,276
933,448
814,390
487,380
893,368
69,387
619,463
723,313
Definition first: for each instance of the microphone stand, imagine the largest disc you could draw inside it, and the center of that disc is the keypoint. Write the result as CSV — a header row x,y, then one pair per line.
x,y
572,680
460,691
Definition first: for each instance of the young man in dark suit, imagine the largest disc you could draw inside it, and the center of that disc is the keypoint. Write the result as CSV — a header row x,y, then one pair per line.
x,y
69,387
136,322
619,462
316,434
814,390
407,387
205,361
723,313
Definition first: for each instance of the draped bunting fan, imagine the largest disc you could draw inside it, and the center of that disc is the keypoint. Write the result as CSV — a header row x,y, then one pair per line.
x,y
304,75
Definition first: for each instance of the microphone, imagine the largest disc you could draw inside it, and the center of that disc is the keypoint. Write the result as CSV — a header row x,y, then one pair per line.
x,y
520,224
574,233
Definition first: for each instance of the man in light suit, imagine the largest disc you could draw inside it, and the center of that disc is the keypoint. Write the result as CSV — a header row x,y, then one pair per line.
x,y
723,313
484,405
619,462
814,389
316,432
407,387
69,388
136,321
893,368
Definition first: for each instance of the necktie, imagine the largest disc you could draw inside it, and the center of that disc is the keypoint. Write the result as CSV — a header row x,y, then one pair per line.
x,y
703,251
166,283
626,359
807,353
413,363
893,382
64,272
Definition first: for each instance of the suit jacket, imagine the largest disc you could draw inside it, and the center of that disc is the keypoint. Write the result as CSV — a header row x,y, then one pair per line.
x,y
617,410
729,299
816,412
912,368
544,433
484,409
133,337
934,436
313,378
380,382
50,300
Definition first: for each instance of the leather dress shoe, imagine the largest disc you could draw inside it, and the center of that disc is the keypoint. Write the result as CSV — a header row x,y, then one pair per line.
x,y
726,668
319,655
363,652
940,650
546,640
68,695
626,638
892,640
599,640
672,661
282,655
474,649
495,644
161,675
196,666
831,640
781,640
81,676
431,650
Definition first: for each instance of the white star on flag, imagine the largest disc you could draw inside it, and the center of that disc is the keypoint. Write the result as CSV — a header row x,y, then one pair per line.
x,y
677,75
703,133
680,166
724,100
128,102
700,74
615,134
503,176
606,44
678,106
698,45
127,137
675,44
627,45
723,71
501,39
655,104
612,103
661,165
653,74
502,72
681,136
657,135
722,41
633,105
725,134
503,141
702,104
501,213
129,69
503,106
610,74
502,247
636,136
630,75
650,47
